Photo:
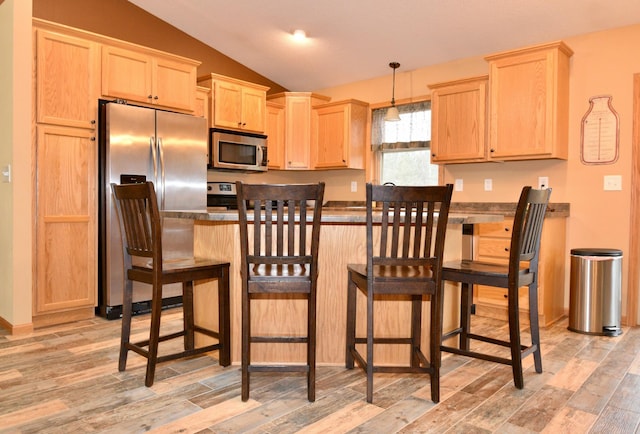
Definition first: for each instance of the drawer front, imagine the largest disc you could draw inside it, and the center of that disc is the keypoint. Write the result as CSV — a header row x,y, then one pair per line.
x,y
493,295
494,248
499,229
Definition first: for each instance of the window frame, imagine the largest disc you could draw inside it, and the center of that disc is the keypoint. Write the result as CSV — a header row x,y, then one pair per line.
x,y
374,172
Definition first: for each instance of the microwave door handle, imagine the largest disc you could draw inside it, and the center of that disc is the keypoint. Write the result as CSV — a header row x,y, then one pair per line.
x,y
260,156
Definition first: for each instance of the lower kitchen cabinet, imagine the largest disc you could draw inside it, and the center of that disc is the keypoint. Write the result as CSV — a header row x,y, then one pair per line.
x,y
492,243
66,226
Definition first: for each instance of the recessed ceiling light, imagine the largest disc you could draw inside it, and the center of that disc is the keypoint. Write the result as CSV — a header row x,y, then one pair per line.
x,y
299,35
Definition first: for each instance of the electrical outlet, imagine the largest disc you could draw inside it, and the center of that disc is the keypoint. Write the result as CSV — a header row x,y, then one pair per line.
x,y
543,182
488,184
6,173
457,185
612,182
354,186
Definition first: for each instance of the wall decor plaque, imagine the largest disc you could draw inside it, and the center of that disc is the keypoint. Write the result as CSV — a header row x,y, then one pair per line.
x,y
600,133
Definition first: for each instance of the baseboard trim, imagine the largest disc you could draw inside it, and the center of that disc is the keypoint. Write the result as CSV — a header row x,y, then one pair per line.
x,y
15,330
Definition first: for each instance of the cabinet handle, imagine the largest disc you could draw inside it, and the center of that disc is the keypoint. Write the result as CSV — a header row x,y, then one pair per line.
x,y
150,96
505,296
492,150
506,229
433,155
506,249
93,139
93,121
155,97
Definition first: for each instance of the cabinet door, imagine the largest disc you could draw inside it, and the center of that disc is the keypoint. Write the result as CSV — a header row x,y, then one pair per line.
x,y
66,232
528,103
298,133
275,135
254,110
202,102
458,120
227,105
173,84
126,74
330,137
66,77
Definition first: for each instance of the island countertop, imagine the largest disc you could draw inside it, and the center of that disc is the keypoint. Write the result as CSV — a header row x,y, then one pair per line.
x,y
343,216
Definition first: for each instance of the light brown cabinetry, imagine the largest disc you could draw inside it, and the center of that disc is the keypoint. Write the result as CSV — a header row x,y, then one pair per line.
x,y
66,94
529,103
492,245
297,134
339,135
72,69
149,78
202,102
275,135
236,104
66,231
67,73
458,120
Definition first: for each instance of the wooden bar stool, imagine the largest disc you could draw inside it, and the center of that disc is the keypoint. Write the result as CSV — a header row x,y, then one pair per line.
x,y
406,267
140,224
522,270
279,260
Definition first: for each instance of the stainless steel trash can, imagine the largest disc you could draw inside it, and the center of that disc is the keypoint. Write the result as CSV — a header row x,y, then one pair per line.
x,y
595,291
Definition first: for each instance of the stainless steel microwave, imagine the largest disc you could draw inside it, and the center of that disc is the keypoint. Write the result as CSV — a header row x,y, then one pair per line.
x,y
235,150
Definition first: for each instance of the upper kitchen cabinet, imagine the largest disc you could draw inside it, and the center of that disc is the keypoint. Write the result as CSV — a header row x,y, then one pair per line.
x,y
202,102
297,132
339,135
529,103
236,104
275,135
67,73
149,77
458,120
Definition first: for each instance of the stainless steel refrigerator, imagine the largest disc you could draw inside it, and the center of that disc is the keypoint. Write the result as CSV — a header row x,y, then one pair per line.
x,y
167,148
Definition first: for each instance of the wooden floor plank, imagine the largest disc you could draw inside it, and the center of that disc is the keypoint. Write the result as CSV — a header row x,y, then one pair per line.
x,y
65,379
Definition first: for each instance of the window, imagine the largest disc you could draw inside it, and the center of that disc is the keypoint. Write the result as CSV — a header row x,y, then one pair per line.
x,y
403,147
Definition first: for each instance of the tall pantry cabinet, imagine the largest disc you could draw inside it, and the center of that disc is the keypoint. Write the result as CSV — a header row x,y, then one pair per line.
x,y
66,78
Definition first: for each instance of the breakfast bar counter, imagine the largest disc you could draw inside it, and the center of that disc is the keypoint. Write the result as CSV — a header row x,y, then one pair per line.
x,y
342,241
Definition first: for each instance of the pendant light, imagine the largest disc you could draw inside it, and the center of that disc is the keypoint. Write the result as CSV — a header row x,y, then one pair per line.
x,y
392,112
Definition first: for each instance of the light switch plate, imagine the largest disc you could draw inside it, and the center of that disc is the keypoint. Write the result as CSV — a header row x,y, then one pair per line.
x,y
488,184
6,173
457,185
354,186
612,182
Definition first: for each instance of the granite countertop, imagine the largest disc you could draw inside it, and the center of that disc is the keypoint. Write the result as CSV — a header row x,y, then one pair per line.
x,y
342,215
502,208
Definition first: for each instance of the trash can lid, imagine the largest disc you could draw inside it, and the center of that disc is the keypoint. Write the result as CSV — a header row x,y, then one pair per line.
x,y
596,252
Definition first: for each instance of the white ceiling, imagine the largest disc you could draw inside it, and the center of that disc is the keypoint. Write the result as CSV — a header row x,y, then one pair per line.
x,y
353,40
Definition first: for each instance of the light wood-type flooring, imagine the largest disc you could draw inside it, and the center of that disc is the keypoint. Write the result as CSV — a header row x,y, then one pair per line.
x,y
64,379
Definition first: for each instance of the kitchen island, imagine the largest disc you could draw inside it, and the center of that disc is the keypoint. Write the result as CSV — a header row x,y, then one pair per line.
x,y
342,241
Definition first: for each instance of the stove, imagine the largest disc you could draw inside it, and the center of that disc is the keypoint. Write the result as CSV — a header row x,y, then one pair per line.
x,y
222,195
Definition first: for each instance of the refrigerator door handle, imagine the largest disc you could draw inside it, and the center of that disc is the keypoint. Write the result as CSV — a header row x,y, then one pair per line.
x,y
154,158
162,186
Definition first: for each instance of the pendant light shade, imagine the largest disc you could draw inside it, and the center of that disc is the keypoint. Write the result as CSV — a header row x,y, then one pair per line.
x,y
392,112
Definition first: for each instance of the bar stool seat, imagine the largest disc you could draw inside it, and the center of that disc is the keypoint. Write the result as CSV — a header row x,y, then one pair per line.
x,y
521,270
141,228
406,267
279,259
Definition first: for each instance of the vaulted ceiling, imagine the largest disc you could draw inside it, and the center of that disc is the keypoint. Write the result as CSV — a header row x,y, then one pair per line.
x,y
353,40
